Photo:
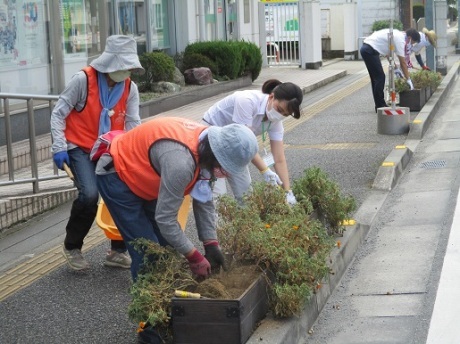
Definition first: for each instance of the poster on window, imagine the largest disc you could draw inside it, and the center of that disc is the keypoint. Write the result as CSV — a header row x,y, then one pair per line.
x,y
22,28
74,28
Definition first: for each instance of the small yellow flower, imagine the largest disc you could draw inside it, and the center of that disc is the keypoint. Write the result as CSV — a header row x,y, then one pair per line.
x,y
267,226
295,227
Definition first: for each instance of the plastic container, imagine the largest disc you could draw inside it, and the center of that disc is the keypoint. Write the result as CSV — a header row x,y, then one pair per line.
x,y
105,222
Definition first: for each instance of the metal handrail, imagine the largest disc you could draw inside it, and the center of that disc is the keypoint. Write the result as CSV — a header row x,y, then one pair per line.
x,y
31,100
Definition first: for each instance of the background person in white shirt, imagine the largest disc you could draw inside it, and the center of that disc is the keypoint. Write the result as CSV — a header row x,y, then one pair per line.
x,y
427,38
263,112
377,45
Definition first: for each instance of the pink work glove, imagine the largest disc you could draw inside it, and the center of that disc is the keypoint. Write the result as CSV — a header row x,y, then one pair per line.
x,y
198,264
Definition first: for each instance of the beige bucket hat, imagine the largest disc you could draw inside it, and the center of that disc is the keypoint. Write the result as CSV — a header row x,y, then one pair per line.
x,y
431,36
120,54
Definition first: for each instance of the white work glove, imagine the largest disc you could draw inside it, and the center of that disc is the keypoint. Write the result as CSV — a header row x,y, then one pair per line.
x,y
290,198
398,73
271,177
409,82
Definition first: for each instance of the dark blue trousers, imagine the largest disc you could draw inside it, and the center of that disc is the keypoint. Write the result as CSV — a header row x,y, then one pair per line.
x,y
371,58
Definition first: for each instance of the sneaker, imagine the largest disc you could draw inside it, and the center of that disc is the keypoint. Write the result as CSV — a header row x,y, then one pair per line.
x,y
75,259
118,260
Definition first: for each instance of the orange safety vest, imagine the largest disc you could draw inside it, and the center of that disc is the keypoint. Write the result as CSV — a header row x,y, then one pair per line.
x,y
131,157
82,127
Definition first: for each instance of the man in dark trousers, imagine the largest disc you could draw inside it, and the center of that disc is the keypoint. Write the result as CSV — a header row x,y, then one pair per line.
x,y
376,45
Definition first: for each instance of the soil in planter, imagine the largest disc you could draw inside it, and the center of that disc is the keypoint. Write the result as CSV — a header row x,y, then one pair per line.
x,y
229,284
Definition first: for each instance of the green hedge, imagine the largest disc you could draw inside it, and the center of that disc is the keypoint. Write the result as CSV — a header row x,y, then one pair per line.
x,y
229,59
418,11
158,67
385,24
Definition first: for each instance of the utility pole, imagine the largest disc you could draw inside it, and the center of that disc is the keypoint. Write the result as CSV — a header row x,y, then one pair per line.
x,y
429,23
457,50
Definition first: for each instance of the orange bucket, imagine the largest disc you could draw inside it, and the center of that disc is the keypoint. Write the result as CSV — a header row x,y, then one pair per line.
x,y
105,222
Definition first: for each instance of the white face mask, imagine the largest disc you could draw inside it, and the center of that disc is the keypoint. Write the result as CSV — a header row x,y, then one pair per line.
x,y
120,75
274,116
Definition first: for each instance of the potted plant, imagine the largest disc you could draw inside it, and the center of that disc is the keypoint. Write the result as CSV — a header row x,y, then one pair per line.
x,y
413,99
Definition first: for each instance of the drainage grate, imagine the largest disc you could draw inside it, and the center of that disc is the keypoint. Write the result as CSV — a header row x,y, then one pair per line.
x,y
433,164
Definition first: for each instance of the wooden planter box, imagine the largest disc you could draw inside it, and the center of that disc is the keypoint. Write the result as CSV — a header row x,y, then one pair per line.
x,y
414,99
210,321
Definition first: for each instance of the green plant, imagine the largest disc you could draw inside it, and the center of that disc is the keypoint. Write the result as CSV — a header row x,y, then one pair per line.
x,y
158,67
418,11
452,13
385,24
420,79
223,53
285,241
317,190
232,58
281,239
164,270
252,59
195,60
401,85
423,78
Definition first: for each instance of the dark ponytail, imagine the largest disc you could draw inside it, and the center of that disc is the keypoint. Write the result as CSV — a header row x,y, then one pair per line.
x,y
270,85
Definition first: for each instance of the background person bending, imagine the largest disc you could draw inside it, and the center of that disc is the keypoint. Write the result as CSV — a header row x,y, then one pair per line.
x,y
262,112
151,168
376,45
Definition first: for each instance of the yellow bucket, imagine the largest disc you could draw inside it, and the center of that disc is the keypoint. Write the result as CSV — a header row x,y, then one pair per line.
x,y
105,222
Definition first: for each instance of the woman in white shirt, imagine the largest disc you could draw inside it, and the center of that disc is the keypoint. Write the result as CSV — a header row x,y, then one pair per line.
x,y
263,112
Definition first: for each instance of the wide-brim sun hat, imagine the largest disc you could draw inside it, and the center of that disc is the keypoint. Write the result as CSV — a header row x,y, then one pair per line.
x,y
233,145
120,54
431,36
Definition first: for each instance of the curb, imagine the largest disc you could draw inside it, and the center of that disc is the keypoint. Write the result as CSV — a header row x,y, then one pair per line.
x,y
292,330
157,106
420,124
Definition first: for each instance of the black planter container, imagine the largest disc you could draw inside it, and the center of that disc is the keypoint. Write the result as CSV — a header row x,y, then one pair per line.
x,y
414,99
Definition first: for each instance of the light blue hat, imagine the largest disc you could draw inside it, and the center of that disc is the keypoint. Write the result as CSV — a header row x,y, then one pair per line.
x,y
120,54
234,146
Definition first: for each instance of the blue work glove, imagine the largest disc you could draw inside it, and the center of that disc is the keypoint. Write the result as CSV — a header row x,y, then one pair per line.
x,y
60,158
271,177
290,198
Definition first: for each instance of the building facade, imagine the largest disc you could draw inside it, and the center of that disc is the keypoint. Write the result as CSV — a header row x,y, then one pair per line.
x,y
44,42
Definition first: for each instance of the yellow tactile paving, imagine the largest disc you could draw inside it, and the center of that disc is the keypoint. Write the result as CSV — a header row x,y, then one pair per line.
x,y
25,273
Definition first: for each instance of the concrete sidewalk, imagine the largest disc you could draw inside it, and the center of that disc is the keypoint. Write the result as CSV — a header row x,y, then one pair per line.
x,y
93,305
17,201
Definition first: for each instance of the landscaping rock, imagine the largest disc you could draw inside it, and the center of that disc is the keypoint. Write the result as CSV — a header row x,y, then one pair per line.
x,y
198,76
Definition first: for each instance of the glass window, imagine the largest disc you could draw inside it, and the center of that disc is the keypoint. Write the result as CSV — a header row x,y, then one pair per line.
x,y
23,48
130,20
22,33
159,25
74,27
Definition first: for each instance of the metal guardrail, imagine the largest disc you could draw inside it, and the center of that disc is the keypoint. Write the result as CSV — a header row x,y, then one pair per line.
x,y
32,101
